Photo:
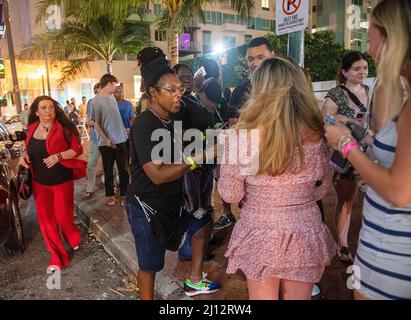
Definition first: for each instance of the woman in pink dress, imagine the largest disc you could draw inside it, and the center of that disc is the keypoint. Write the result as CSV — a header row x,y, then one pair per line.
x,y
280,242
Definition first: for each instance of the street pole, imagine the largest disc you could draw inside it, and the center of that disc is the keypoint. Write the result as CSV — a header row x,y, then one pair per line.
x,y
16,89
296,47
42,85
46,59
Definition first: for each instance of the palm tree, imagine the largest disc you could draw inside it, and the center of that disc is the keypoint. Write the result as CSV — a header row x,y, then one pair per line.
x,y
87,10
178,15
80,42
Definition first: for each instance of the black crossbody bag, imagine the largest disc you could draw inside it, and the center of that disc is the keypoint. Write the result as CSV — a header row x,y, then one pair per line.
x,y
170,230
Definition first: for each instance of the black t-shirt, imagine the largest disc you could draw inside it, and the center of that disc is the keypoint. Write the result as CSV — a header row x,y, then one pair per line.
x,y
238,98
166,197
193,115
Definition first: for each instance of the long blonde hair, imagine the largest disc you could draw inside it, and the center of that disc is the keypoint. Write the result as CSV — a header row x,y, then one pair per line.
x,y
283,105
393,19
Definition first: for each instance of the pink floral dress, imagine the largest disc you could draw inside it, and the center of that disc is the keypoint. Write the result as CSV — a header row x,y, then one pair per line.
x,y
280,232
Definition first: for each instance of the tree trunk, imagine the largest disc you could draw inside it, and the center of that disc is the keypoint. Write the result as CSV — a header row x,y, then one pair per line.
x,y
16,89
109,67
174,49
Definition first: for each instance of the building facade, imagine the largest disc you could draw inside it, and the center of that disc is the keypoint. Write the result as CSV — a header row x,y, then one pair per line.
x,y
222,29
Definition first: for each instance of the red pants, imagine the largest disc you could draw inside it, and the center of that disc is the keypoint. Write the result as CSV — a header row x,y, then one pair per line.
x,y
55,213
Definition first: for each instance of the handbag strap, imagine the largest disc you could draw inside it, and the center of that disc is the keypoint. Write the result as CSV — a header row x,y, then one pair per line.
x,y
148,211
354,99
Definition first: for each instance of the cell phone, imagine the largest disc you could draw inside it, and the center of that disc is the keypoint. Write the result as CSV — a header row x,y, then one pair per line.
x,y
199,72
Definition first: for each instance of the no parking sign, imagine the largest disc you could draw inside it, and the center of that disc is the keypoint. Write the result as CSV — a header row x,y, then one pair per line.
x,y
291,16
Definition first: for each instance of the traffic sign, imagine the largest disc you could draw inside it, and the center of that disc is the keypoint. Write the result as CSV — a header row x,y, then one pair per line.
x,y
291,16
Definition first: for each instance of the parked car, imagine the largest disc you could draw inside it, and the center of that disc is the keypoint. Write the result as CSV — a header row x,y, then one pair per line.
x,y
11,227
12,123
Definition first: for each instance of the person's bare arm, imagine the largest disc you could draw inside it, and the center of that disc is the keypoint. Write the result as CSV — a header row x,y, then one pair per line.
x,y
329,107
102,133
391,183
54,158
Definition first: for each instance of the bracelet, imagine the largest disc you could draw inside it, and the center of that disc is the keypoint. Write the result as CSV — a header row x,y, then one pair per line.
x,y
348,147
192,163
343,141
59,156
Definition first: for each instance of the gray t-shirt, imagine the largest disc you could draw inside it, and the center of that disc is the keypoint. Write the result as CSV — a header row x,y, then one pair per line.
x,y
104,110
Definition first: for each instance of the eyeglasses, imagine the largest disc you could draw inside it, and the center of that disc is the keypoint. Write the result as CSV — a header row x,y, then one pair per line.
x,y
174,90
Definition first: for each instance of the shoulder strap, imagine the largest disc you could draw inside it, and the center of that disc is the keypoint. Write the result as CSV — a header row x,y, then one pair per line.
x,y
354,98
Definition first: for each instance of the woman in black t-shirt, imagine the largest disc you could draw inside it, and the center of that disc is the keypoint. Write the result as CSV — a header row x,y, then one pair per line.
x,y
157,179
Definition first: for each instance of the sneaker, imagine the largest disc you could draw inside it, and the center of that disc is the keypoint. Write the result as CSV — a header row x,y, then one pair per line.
x,y
205,286
224,221
316,291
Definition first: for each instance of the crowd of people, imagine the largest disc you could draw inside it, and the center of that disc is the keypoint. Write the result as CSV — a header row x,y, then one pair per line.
x,y
280,241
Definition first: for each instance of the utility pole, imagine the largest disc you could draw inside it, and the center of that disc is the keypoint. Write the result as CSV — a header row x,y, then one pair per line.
x,y
12,57
46,56
296,47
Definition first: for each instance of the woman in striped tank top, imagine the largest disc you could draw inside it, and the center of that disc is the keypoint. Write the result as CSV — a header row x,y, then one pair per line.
x,y
382,266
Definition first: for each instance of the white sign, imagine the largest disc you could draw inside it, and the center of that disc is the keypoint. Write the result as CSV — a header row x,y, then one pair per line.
x,y
291,16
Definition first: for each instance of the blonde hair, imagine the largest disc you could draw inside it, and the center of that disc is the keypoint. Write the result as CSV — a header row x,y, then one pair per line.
x,y
283,105
393,19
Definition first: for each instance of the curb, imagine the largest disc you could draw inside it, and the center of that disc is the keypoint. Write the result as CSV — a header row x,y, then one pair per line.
x,y
123,251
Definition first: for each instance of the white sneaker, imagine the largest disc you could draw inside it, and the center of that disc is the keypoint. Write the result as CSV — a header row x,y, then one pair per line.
x,y
316,291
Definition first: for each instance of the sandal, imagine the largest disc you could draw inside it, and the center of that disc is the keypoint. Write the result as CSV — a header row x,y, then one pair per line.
x,y
87,195
111,202
344,254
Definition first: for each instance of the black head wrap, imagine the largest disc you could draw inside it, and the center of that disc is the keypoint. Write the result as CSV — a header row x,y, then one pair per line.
x,y
154,70
148,54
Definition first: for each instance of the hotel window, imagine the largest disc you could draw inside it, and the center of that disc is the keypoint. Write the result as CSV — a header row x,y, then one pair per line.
x,y
207,42
265,4
208,16
157,9
229,42
160,35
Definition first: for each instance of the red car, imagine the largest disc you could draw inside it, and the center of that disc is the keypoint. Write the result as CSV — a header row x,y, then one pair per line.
x,y
11,227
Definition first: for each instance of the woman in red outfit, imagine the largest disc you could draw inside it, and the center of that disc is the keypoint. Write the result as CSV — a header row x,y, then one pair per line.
x,y
52,146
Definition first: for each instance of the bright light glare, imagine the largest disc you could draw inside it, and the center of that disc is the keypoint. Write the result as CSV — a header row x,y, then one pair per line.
x,y
218,48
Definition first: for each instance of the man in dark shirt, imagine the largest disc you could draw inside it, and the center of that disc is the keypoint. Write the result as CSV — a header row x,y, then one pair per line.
x,y
258,50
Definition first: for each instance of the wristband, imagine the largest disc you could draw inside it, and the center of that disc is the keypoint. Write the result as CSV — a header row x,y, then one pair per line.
x,y
344,140
59,156
192,163
348,147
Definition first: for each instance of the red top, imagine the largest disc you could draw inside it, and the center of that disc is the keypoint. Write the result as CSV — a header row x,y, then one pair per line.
x,y
56,142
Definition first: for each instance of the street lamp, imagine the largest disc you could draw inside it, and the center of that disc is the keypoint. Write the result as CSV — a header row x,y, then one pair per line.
x,y
219,52
218,48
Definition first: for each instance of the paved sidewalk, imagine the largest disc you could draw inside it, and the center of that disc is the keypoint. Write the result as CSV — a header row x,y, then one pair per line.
x,y
111,227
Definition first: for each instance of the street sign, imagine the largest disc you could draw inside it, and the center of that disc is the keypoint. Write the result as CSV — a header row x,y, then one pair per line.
x,y
291,16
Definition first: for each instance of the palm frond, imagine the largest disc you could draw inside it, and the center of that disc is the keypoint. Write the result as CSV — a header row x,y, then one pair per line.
x,y
73,69
35,48
244,7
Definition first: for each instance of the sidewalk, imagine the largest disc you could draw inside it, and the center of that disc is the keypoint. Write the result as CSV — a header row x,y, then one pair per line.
x,y
111,227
